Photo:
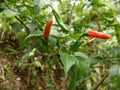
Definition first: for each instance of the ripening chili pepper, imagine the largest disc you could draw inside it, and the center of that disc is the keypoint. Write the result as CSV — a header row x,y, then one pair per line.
x,y
46,31
96,34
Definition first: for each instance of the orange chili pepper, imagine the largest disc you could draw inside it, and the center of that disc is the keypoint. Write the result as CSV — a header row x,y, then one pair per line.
x,y
96,34
46,31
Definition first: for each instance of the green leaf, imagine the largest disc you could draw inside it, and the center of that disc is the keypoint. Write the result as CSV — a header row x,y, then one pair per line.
x,y
115,76
115,82
32,26
68,61
9,13
79,8
78,73
1,9
16,27
83,69
114,52
81,56
12,1
97,3
117,32
33,34
37,9
1,1
37,63
95,59
80,25
52,41
21,41
114,70
75,46
25,39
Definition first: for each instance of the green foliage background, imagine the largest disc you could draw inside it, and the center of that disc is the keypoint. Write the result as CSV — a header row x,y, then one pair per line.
x,y
67,60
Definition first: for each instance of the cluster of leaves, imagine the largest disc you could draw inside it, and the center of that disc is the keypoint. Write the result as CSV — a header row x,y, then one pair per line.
x,y
83,60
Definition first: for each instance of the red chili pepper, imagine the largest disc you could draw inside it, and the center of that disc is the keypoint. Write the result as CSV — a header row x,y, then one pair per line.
x,y
46,31
95,34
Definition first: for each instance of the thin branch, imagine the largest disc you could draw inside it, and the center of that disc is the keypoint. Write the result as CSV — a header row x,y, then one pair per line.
x,y
18,83
27,29
101,81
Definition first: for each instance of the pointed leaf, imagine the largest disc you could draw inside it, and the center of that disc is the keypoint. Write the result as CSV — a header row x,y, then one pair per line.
x,y
68,60
9,13
34,34
79,72
114,70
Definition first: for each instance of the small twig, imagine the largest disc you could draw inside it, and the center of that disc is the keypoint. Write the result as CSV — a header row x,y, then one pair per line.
x,y
101,81
18,83
2,76
27,29
28,77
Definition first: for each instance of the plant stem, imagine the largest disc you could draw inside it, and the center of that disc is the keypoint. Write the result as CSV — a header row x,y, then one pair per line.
x,y
27,29
101,81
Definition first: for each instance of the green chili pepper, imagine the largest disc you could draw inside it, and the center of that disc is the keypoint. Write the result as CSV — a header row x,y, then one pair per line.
x,y
59,21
